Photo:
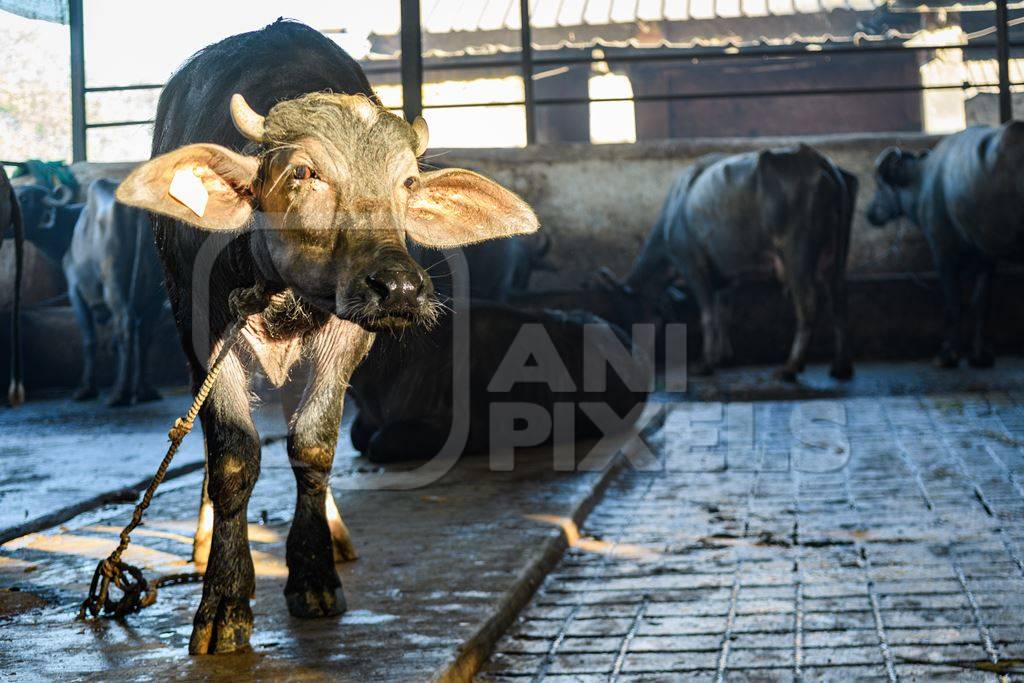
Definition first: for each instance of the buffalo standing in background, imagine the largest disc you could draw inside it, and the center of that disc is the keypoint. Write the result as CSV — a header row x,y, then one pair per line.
x,y
49,217
732,217
967,196
10,214
113,272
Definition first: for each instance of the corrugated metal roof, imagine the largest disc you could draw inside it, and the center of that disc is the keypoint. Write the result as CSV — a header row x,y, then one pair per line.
x,y
987,71
446,16
483,27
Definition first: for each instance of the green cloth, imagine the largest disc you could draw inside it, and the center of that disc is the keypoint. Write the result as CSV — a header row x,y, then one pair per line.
x,y
49,174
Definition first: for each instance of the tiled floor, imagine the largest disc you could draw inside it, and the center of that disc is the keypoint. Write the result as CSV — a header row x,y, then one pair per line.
x,y
874,538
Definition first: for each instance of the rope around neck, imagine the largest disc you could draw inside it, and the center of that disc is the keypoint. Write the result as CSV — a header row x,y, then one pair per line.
x,y
137,592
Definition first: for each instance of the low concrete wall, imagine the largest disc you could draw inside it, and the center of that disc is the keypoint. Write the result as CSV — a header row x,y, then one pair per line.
x,y
599,201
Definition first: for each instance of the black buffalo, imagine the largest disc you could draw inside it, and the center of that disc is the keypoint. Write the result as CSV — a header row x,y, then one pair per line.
x,y
733,217
967,196
113,273
404,388
276,167
10,214
407,398
49,217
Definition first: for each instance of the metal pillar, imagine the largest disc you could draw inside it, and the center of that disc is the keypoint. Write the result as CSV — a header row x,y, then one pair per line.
x,y
412,60
1003,58
78,138
526,57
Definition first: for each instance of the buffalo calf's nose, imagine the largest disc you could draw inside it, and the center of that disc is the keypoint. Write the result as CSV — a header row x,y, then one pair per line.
x,y
396,287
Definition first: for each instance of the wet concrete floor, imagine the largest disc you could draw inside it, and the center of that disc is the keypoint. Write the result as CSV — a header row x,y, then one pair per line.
x,y
880,539
932,489
433,560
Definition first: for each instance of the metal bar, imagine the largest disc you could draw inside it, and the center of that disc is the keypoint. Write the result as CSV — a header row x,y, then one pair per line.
x,y
76,20
652,54
649,54
811,50
526,61
717,95
120,88
412,60
671,96
1003,57
114,124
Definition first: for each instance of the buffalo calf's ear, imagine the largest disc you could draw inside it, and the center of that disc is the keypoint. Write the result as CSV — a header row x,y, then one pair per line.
x,y
453,207
206,186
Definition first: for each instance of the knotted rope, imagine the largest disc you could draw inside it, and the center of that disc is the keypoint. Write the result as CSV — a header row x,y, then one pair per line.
x,y
138,593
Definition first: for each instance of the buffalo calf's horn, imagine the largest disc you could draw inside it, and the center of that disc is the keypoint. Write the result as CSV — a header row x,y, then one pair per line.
x,y
248,122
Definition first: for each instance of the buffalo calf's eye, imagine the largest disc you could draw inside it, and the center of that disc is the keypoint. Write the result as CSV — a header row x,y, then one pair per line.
x,y
410,182
304,173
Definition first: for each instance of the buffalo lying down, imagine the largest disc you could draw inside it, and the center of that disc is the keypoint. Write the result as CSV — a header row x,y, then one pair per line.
x,y
113,271
967,196
405,394
312,199
731,217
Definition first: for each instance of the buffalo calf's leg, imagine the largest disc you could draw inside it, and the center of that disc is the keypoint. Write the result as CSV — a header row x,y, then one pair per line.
x,y
126,330
223,622
311,590
949,353
981,302
723,316
83,314
344,549
842,362
144,390
341,540
312,586
204,527
805,302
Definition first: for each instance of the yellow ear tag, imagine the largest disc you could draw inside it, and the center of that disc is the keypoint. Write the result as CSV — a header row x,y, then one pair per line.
x,y
188,189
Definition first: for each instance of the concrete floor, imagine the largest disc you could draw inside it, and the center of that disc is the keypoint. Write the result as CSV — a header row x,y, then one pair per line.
x,y
434,561
768,563
904,562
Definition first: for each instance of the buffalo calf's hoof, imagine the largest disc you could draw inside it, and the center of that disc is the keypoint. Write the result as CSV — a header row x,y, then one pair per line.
x,y
315,602
842,371
147,394
947,359
701,369
84,394
119,401
221,626
982,359
786,375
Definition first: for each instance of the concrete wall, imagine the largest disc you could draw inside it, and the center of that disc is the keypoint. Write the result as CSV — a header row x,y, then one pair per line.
x,y
598,201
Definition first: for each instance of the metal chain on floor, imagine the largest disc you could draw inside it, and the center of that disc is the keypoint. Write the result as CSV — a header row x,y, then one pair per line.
x,y
137,593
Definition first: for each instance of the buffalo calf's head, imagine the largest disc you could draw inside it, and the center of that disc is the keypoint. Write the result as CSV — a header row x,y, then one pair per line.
x,y
330,195
896,172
